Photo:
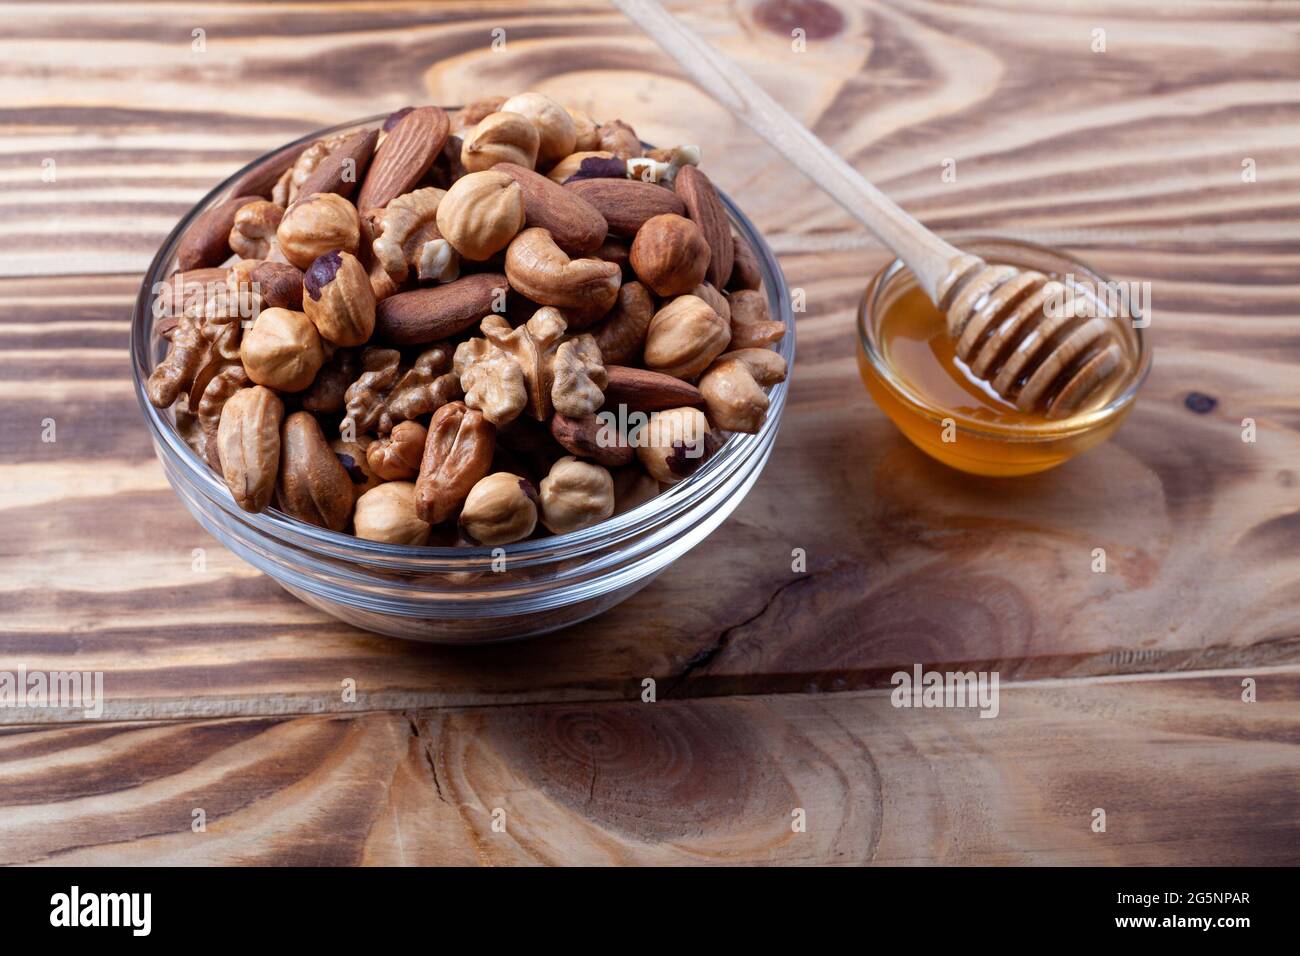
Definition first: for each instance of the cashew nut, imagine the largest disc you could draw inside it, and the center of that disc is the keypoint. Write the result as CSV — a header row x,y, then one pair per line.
x,y
541,271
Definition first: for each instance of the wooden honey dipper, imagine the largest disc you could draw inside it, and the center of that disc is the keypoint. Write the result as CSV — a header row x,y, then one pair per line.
x,y
1016,329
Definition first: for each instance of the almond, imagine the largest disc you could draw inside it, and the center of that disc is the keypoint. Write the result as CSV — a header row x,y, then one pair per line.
x,y
206,242
260,179
341,170
745,273
312,484
404,157
582,437
706,209
438,312
645,391
627,203
575,224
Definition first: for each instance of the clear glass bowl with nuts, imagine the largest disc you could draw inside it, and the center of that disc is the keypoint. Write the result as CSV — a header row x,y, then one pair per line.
x,y
464,376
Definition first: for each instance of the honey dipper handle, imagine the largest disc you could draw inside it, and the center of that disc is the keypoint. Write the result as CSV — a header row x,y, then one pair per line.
x,y
931,258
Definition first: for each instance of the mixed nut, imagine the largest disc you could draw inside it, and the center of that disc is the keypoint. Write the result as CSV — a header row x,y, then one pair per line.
x,y
465,329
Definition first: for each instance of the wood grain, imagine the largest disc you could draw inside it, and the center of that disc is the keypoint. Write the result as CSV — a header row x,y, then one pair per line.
x,y
906,561
1136,164
1147,140
686,782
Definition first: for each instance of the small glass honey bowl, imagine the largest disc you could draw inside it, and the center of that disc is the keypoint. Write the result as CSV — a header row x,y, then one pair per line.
x,y
909,365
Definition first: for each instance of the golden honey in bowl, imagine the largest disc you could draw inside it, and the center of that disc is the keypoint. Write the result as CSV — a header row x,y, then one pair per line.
x,y
911,368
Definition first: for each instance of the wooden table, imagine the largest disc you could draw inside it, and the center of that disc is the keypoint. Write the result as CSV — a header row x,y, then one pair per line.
x,y
1120,691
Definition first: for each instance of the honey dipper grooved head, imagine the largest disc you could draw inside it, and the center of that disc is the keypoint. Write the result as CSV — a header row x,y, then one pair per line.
x,y
1018,330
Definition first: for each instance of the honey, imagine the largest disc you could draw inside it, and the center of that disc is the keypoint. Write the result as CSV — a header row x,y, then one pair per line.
x,y
917,347
910,366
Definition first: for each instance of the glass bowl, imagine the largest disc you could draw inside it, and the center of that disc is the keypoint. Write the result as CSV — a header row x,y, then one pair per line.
x,y
453,595
973,445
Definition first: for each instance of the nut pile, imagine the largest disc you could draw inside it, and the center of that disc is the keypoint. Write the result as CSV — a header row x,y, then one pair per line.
x,y
465,329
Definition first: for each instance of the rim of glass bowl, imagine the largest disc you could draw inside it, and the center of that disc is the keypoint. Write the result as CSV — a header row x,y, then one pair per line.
x,y
735,453
1047,431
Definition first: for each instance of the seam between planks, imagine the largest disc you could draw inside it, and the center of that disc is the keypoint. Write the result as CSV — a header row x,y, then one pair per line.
x,y
184,709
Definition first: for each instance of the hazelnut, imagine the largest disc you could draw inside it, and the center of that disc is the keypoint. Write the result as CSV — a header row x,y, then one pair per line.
x,y
500,138
500,509
264,285
282,350
555,127
733,388
584,128
481,213
254,230
338,299
323,223
397,457
575,494
387,514
673,443
670,255
352,456
620,139
684,337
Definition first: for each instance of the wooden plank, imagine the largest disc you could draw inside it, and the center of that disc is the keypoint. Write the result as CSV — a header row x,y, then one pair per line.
x,y
676,782
906,561
1146,140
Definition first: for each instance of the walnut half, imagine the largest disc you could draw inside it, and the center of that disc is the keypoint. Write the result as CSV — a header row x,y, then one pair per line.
x,y
532,368
384,395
